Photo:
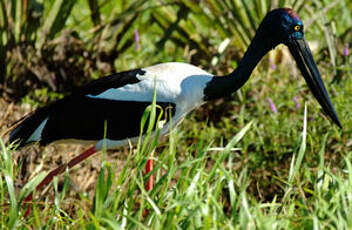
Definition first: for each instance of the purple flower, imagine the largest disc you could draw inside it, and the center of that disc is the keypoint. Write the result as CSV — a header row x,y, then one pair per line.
x,y
295,99
272,105
272,64
136,39
346,50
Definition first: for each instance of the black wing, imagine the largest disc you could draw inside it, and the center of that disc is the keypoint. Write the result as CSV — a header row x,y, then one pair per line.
x,y
80,117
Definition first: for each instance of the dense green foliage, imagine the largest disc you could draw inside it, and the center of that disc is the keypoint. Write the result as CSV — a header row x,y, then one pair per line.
x,y
281,175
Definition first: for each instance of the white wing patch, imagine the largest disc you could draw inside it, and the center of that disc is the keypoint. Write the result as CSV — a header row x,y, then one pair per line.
x,y
141,91
36,135
179,83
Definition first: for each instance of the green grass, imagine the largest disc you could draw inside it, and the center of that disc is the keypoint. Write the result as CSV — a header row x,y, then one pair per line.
x,y
199,188
233,163
285,175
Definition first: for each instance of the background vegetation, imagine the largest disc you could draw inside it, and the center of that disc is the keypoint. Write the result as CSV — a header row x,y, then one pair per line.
x,y
239,163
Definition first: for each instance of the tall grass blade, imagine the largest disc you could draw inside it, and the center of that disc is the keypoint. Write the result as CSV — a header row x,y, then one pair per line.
x,y
321,170
13,214
95,11
102,189
18,18
228,148
294,170
57,12
30,186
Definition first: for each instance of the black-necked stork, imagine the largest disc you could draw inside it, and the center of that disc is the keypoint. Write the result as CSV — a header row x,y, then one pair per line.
x,y
120,99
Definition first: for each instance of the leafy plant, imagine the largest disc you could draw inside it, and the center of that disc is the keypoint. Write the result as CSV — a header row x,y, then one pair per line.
x,y
26,28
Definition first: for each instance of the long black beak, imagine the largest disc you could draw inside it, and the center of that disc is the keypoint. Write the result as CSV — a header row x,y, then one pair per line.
x,y
305,62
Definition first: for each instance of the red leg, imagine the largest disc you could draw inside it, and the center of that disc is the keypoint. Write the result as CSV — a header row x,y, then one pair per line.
x,y
57,171
150,183
149,167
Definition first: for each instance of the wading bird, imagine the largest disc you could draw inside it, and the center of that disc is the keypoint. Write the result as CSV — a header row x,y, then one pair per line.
x,y
119,100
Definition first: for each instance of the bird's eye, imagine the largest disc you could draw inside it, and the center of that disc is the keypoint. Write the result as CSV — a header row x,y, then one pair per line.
x,y
297,27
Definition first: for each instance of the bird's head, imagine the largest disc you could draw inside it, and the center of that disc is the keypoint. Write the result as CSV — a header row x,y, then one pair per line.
x,y
283,25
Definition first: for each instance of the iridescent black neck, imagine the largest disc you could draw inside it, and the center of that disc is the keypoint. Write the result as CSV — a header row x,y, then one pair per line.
x,y
224,86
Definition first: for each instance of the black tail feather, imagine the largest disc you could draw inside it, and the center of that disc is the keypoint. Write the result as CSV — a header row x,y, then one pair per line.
x,y
29,123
